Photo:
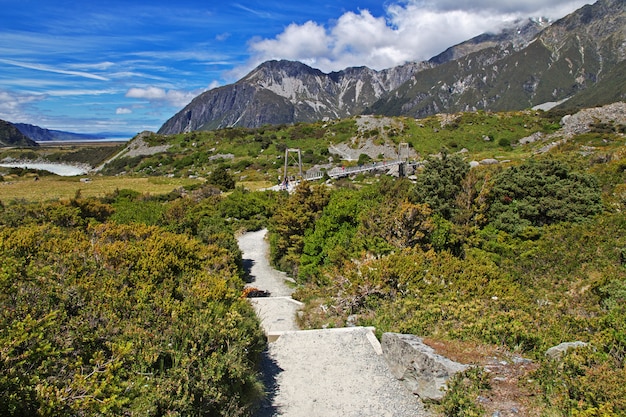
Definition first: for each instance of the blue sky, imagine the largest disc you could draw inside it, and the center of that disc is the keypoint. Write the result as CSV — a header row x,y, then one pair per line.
x,y
127,66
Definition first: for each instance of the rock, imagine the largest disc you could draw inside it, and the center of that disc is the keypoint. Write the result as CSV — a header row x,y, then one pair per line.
x,y
489,161
422,371
474,164
537,136
557,352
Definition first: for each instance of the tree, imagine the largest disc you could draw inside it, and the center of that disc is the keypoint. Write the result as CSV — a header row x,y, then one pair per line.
x,y
440,183
222,178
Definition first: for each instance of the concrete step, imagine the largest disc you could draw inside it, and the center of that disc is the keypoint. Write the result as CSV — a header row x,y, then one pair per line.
x,y
333,372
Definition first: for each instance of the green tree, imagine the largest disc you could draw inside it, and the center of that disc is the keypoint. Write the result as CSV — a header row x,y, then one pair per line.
x,y
222,178
440,182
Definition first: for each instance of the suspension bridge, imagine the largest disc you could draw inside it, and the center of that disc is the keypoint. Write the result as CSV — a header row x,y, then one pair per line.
x,y
294,157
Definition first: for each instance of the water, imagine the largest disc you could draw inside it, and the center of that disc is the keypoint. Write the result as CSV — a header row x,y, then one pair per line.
x,y
63,170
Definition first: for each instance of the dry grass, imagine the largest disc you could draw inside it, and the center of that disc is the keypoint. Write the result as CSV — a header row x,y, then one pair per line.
x,y
510,394
61,188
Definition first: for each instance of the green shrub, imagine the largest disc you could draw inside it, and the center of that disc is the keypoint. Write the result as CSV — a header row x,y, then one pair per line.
x,y
542,192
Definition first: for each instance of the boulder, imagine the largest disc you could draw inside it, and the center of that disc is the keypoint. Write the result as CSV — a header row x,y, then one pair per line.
x,y
557,352
418,366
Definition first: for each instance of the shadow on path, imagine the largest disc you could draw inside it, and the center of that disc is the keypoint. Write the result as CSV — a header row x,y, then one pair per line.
x,y
269,370
247,265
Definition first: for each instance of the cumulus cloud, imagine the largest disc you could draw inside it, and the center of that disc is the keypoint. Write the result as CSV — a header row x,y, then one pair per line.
x,y
123,110
159,95
411,30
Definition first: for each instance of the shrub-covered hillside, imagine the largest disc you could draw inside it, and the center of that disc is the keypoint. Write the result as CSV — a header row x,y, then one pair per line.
x,y
128,305
519,256
258,154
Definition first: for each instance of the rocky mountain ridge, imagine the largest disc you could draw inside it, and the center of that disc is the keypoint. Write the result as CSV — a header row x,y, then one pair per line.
x,y
41,134
580,57
11,136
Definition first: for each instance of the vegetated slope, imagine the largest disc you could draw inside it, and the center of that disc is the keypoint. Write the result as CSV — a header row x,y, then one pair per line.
x,y
258,153
512,258
40,134
11,136
575,54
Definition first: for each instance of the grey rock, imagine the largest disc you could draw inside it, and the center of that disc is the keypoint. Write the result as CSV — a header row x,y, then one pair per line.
x,y
489,161
418,366
557,352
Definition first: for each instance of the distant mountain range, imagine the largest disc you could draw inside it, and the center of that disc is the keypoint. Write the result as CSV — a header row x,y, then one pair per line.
x,y
40,134
580,58
21,134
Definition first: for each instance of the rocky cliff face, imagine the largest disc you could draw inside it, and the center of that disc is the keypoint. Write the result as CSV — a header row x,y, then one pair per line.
x,y
532,62
286,92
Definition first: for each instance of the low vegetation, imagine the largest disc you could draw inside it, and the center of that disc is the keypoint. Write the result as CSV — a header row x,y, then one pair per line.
x,y
522,257
127,305
127,300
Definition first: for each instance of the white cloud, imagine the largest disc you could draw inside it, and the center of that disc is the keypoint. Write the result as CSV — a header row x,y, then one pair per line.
x,y
161,96
46,68
411,30
123,110
12,105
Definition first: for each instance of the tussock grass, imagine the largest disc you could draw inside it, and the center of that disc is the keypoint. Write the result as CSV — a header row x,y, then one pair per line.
x,y
59,188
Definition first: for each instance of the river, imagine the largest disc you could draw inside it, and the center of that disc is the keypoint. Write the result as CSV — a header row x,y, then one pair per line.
x,y
63,170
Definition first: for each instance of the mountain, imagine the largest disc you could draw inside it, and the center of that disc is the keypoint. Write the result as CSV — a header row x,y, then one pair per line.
x,y
286,92
43,135
11,136
579,54
580,58
516,35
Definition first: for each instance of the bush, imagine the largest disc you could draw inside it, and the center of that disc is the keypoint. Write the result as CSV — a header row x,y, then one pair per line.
x,y
123,320
222,178
542,192
440,182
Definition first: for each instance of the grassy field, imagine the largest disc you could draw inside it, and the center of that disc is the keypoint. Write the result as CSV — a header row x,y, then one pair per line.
x,y
54,187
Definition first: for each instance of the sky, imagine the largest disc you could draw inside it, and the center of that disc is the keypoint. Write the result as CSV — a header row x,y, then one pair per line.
x,y
122,67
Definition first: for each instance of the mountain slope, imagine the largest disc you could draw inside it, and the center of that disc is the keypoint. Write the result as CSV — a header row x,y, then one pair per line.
x,y
579,57
11,136
517,35
580,52
286,92
40,134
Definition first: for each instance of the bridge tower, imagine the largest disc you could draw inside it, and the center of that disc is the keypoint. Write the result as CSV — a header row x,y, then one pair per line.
x,y
290,159
403,152
403,157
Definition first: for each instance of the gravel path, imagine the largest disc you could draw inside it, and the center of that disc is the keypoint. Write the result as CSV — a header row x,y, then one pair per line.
x,y
318,373
256,260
